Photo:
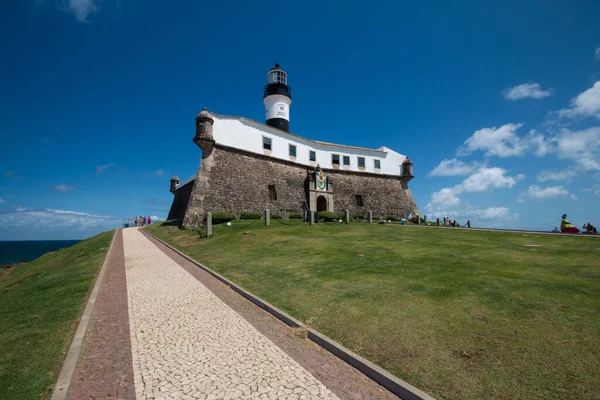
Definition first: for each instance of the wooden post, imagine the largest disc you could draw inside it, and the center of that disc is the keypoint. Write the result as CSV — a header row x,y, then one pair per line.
x,y
437,221
209,231
347,216
468,223
370,217
267,217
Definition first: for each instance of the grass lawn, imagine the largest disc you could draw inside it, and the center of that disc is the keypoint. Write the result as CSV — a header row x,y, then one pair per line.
x,y
460,314
40,303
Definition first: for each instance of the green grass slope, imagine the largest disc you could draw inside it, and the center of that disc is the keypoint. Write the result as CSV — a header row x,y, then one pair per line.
x,y
460,314
40,303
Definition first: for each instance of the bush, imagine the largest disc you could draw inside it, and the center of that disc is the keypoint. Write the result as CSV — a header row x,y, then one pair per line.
x,y
356,217
329,216
220,217
295,216
250,215
201,231
275,216
391,218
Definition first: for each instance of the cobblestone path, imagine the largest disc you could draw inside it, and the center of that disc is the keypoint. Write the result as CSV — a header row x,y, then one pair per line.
x,y
186,343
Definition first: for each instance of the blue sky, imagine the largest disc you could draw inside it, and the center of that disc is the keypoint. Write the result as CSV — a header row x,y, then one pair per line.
x,y
496,104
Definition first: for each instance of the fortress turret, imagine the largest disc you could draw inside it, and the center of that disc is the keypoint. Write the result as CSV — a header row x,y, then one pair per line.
x,y
277,98
174,183
204,130
406,172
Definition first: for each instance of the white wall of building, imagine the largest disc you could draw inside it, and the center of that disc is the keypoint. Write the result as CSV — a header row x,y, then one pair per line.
x,y
248,135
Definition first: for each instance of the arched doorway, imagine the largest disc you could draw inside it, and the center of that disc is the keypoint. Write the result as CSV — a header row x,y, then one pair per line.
x,y
321,203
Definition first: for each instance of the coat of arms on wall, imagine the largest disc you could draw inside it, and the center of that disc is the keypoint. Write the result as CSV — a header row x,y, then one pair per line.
x,y
320,179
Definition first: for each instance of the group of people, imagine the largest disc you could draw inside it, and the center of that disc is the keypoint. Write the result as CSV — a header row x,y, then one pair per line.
x,y
567,227
448,222
142,221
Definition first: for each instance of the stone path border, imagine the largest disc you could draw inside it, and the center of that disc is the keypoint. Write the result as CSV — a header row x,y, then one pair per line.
x,y
105,369
402,389
61,389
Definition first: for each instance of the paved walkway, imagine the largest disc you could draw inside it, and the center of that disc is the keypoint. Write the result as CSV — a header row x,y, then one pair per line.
x,y
162,328
186,343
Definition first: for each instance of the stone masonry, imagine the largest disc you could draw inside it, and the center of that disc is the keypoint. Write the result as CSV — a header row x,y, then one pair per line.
x,y
239,181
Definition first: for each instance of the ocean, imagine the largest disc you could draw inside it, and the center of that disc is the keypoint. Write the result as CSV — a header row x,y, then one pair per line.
x,y
28,250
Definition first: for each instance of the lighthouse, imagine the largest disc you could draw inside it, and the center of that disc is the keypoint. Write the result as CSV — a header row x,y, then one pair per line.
x,y
277,98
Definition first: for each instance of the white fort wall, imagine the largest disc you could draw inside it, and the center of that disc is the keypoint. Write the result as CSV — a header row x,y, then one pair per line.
x,y
246,134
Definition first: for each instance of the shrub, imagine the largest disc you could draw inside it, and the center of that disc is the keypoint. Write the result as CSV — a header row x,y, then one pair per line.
x,y
201,231
220,217
329,216
391,218
250,215
356,217
275,216
295,216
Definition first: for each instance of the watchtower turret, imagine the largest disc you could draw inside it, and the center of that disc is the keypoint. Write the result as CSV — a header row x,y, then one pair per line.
x,y
277,97
204,130
174,183
406,172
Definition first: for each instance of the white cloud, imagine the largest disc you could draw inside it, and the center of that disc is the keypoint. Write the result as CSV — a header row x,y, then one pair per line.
x,y
156,218
531,90
492,213
2,201
446,201
597,53
595,189
565,175
586,104
501,142
582,147
100,169
12,175
574,196
538,193
82,8
488,179
41,219
453,167
62,188
542,145
159,172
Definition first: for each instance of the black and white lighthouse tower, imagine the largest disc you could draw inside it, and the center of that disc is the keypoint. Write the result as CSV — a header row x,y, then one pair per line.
x,y
278,98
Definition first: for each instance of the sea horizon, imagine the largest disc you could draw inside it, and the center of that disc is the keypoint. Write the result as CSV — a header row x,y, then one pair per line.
x,y
17,251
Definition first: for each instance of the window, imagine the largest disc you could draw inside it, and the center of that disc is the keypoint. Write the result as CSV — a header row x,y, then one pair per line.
x,y
335,159
272,192
377,164
292,150
359,201
346,160
266,143
312,155
361,162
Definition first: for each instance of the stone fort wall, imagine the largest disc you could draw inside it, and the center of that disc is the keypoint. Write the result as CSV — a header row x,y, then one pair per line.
x,y
238,181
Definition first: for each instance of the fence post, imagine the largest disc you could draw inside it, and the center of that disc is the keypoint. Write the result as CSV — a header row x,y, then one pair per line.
x,y
437,222
304,216
418,219
347,216
267,217
370,217
209,231
468,223
311,217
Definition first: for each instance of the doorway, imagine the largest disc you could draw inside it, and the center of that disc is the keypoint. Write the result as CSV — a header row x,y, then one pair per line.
x,y
321,203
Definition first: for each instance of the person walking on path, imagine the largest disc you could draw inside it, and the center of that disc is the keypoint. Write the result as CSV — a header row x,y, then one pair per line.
x,y
149,220
136,221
